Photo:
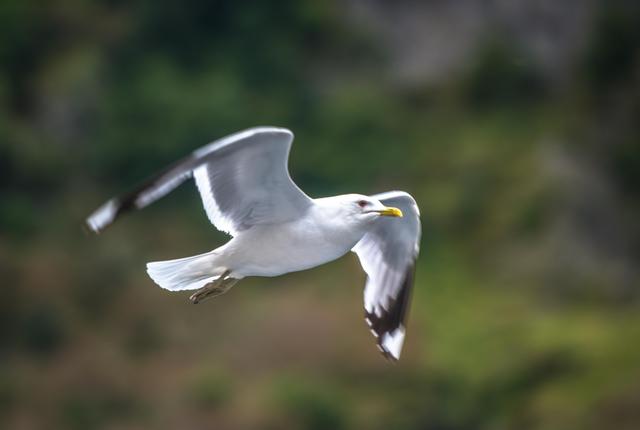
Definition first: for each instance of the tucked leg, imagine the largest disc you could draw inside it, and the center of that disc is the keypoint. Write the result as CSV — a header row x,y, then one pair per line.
x,y
215,288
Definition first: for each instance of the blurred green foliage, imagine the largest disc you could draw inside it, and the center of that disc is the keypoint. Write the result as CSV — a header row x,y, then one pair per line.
x,y
210,389
309,406
525,310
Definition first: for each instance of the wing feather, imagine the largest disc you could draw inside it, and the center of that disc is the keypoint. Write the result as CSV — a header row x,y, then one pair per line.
x,y
388,255
242,179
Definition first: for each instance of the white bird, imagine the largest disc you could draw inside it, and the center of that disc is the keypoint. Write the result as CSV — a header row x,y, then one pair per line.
x,y
276,228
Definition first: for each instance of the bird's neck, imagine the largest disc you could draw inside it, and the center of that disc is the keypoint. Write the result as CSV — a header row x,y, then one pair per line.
x,y
334,216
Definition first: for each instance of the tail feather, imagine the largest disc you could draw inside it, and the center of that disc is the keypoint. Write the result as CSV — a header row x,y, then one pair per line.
x,y
189,273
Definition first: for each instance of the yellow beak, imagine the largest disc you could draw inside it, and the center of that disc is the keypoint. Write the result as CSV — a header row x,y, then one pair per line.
x,y
390,212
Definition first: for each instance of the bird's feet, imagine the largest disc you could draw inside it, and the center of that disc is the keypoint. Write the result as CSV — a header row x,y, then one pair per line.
x,y
212,289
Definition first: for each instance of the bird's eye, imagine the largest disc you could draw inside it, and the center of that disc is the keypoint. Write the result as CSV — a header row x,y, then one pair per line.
x,y
362,203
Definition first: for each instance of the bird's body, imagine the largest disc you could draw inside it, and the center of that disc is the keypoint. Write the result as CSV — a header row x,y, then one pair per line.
x,y
292,246
278,229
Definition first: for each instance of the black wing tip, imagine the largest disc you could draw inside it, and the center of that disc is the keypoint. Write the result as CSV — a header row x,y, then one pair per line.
x,y
105,215
88,230
388,355
390,321
381,331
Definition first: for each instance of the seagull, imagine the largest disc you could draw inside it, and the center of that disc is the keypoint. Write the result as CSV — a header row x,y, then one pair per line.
x,y
276,228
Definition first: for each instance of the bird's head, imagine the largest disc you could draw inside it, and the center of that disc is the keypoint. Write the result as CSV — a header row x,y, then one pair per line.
x,y
364,208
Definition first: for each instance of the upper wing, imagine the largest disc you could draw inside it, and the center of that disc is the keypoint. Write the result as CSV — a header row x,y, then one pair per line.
x,y
388,255
242,178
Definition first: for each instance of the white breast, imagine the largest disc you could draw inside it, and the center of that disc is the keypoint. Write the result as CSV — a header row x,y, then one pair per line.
x,y
272,250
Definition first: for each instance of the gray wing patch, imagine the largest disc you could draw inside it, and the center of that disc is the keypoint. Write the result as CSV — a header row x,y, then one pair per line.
x,y
242,178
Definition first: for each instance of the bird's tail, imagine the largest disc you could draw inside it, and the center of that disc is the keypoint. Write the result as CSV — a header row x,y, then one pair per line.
x,y
189,273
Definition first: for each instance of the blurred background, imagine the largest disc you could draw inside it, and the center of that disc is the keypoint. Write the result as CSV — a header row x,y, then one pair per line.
x,y
515,124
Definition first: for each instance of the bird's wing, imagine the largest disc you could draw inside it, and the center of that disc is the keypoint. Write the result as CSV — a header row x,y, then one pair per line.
x,y
242,178
388,254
